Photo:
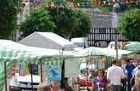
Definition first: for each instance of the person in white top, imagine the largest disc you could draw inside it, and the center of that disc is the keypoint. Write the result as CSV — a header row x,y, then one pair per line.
x,y
114,76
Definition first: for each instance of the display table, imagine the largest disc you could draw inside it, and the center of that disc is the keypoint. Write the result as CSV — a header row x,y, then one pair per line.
x,y
25,82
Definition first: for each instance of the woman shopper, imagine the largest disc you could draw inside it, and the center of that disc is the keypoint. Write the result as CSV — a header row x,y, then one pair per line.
x,y
100,81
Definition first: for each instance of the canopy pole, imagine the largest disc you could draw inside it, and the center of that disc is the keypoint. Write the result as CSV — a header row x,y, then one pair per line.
x,y
5,75
41,68
87,72
31,77
62,73
116,47
62,69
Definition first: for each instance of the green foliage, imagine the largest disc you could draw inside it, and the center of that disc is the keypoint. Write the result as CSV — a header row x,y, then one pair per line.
x,y
8,16
105,8
70,22
57,3
129,25
83,24
64,21
39,20
125,7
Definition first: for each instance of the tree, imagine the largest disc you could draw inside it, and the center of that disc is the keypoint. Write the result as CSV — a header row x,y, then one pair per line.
x,y
83,24
129,25
65,21
8,17
70,22
39,20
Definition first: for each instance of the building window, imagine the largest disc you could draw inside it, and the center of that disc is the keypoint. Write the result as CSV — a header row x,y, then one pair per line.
x,y
102,30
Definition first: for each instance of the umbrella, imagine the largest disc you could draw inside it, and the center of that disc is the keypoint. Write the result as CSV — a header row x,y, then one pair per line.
x,y
132,46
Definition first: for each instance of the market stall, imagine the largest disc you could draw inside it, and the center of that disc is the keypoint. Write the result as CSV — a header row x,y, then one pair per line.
x,y
132,46
89,60
97,51
12,52
135,47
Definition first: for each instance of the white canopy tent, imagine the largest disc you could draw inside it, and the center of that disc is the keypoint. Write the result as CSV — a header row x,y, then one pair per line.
x,y
92,54
102,51
133,46
47,40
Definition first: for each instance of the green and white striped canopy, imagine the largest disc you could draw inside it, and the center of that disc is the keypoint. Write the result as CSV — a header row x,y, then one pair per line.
x,y
12,51
133,46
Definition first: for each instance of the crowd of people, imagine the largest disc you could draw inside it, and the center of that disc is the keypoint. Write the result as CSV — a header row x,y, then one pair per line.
x,y
118,77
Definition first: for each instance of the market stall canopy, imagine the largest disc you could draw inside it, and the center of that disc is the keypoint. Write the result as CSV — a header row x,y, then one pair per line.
x,y
102,51
47,40
14,52
112,52
132,46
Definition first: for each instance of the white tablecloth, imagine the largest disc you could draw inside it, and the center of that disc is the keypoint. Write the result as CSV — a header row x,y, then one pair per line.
x,y
27,78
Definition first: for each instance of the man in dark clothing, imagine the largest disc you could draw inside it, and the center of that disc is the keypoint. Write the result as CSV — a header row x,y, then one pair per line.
x,y
129,67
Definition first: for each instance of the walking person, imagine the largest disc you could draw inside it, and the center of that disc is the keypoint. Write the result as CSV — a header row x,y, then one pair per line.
x,y
114,76
123,81
129,67
136,86
137,68
132,81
